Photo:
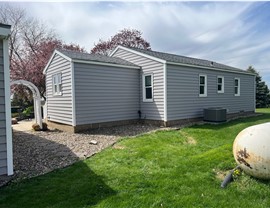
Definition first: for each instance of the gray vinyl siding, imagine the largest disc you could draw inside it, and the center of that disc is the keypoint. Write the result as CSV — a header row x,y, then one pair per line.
x,y
183,92
3,146
150,110
105,93
59,107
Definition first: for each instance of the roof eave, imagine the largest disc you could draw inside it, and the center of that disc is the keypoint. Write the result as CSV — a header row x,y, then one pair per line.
x,y
211,68
5,32
104,64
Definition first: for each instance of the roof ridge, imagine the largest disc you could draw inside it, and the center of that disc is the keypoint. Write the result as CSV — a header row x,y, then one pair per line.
x,y
89,54
73,51
175,56
78,55
172,54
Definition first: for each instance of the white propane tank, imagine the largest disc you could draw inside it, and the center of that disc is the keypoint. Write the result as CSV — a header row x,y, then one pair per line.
x,y
251,150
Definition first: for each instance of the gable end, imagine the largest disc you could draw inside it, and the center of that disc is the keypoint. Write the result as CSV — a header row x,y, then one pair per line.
x,y
52,57
138,53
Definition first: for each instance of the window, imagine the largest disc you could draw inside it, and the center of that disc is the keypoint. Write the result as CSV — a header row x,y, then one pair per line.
x,y
148,88
203,85
220,84
57,84
236,86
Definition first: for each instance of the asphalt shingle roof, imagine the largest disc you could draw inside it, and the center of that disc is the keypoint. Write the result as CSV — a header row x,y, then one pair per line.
x,y
187,60
75,55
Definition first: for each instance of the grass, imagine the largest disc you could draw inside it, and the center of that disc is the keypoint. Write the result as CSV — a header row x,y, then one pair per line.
x,y
162,169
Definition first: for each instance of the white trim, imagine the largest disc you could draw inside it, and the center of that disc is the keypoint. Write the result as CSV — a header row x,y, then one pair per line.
x,y
138,53
105,64
50,60
255,91
73,95
58,91
7,109
152,85
238,92
205,85
4,31
215,69
165,92
222,85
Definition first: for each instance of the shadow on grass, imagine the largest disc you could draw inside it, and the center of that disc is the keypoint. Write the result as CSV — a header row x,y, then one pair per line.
x,y
123,131
73,186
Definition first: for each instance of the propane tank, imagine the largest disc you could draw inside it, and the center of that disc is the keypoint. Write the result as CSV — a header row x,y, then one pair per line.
x,y
251,150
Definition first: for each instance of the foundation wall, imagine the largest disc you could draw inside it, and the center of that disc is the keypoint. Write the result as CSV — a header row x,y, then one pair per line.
x,y
81,128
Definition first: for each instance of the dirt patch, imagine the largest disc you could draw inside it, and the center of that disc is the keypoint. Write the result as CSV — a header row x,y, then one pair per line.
x,y
220,174
189,139
117,146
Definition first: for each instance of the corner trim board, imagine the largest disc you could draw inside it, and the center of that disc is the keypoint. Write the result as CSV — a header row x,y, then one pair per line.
x,y
7,109
255,89
165,92
73,95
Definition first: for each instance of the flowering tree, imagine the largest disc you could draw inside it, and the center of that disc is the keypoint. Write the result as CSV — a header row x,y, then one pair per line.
x,y
31,67
126,37
31,46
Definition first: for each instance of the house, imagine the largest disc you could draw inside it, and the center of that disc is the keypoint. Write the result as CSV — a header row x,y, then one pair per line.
x,y
88,91
6,161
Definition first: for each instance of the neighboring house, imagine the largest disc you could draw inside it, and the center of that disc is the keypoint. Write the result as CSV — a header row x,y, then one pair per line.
x,y
6,161
89,91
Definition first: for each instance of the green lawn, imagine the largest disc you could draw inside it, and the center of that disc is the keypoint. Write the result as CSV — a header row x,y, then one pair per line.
x,y
163,169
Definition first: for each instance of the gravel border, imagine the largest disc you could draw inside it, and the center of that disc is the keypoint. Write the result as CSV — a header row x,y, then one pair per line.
x,y
37,153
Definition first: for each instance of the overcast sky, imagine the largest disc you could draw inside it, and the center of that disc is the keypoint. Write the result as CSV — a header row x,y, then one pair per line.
x,y
233,33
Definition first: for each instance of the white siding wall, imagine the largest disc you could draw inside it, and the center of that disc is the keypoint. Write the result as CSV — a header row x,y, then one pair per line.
x,y
3,146
183,92
150,110
105,93
59,106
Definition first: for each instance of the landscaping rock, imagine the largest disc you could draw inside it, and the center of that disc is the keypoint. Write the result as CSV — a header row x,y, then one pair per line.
x,y
94,142
14,121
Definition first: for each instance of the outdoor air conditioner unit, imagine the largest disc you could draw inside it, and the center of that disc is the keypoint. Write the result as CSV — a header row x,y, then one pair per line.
x,y
215,114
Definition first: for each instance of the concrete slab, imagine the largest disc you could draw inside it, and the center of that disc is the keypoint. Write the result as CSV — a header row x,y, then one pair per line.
x,y
24,125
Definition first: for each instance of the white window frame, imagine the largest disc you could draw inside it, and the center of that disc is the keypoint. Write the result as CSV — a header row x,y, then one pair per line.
x,y
58,82
222,84
205,85
144,88
238,91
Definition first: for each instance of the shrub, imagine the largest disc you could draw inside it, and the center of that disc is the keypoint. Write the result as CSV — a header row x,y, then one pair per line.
x,y
28,112
15,115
